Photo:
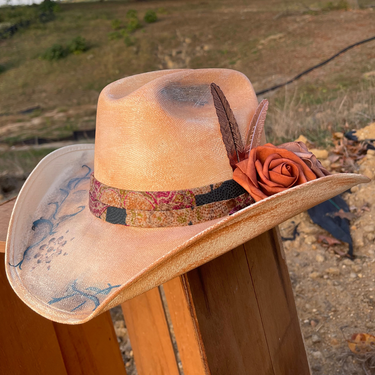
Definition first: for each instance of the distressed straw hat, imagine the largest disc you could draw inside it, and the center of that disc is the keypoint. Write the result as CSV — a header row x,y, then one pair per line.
x,y
177,177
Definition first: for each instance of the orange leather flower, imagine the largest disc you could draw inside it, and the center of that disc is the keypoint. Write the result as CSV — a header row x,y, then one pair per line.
x,y
301,150
270,170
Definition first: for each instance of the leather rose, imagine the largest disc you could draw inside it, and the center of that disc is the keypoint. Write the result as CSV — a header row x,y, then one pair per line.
x,y
270,170
301,150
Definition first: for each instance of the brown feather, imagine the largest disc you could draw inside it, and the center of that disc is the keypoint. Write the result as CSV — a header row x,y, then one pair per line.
x,y
228,126
254,132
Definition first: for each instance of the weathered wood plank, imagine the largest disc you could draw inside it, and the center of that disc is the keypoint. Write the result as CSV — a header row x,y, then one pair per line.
x,y
185,327
149,335
91,348
229,320
28,343
275,298
5,213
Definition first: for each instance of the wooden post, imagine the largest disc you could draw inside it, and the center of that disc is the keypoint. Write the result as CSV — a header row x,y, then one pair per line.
x,y
33,345
234,315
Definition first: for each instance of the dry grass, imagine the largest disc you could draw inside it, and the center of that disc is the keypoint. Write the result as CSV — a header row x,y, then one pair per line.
x,y
290,115
20,163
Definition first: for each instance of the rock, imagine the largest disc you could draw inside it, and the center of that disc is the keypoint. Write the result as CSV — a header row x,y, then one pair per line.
x,y
368,173
347,262
370,236
120,329
320,154
326,163
358,239
307,228
320,258
353,275
368,132
356,268
315,275
315,339
334,342
310,239
369,228
354,189
302,138
333,271
370,325
316,367
187,40
317,355
37,121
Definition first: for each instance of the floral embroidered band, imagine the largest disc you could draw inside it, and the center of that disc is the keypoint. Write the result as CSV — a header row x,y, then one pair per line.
x,y
166,208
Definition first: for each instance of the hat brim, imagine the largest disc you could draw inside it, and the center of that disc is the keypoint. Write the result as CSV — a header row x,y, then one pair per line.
x,y
70,266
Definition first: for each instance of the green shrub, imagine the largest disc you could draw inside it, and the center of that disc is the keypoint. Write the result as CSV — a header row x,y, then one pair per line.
x,y
56,52
150,16
49,6
341,5
114,35
2,69
16,14
59,51
78,45
116,24
133,25
131,13
129,41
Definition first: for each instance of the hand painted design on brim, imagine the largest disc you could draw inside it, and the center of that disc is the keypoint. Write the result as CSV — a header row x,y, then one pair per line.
x,y
159,148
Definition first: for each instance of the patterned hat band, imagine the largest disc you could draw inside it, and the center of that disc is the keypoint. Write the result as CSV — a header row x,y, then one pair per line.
x,y
150,209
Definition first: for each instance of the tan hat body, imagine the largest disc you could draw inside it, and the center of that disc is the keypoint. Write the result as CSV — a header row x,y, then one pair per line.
x,y
155,131
174,142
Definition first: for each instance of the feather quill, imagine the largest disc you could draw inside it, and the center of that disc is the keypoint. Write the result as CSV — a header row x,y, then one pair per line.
x,y
254,132
228,126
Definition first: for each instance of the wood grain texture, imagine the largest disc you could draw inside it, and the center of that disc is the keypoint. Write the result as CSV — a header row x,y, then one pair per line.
x,y
276,304
149,335
5,213
28,343
185,327
90,348
228,316
246,313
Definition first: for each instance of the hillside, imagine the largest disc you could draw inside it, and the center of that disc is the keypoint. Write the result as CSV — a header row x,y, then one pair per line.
x,y
270,41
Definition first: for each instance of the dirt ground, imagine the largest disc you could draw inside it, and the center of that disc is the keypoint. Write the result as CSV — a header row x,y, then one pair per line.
x,y
335,296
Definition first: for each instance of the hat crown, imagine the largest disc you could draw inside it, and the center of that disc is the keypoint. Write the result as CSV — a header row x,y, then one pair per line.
x,y
159,131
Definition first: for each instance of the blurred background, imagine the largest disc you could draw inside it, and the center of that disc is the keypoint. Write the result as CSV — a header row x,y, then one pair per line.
x,y
55,58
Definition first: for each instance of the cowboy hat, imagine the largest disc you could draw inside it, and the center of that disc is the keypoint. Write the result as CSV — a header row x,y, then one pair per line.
x,y
93,227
